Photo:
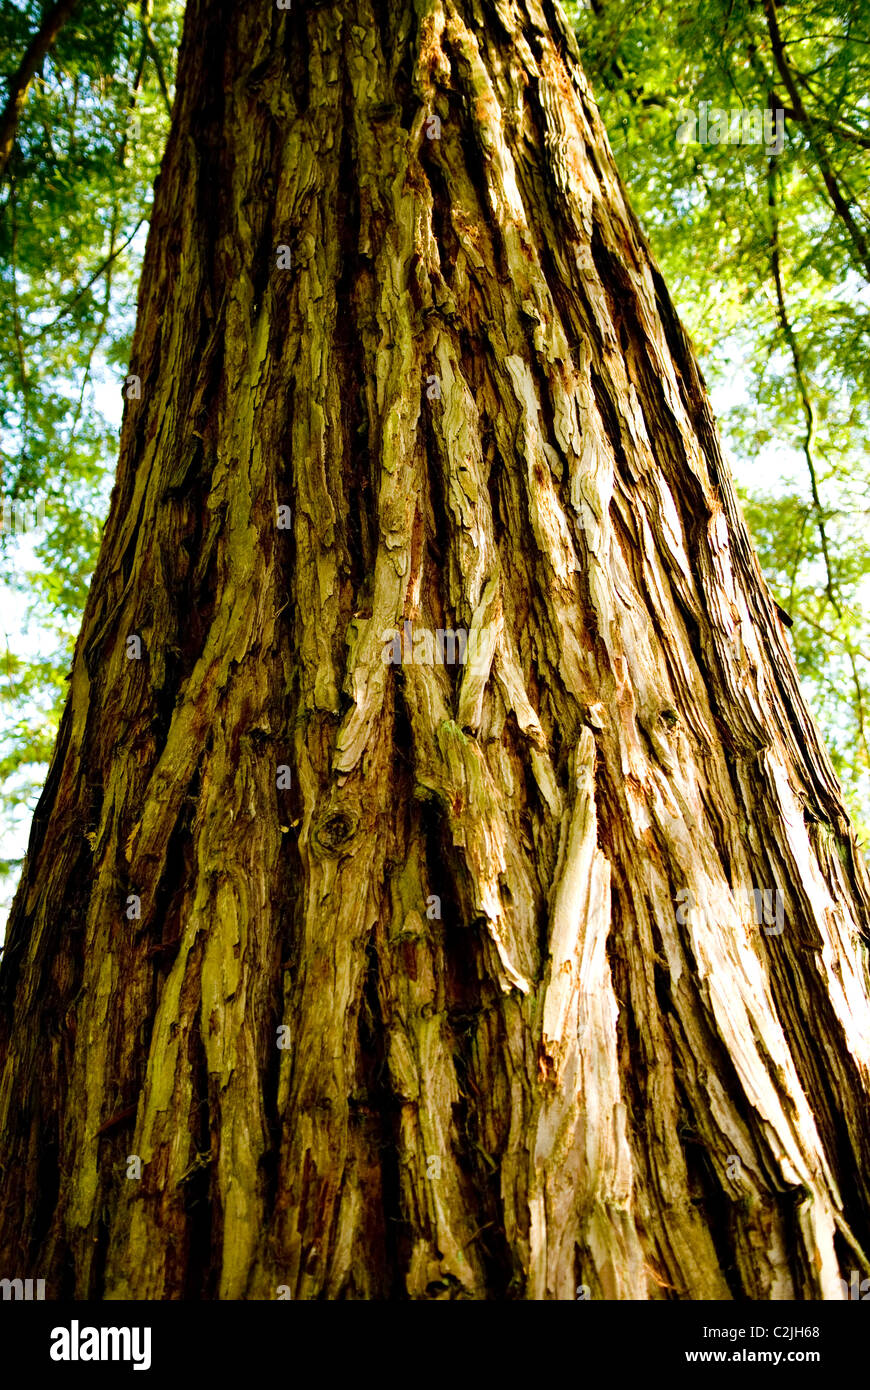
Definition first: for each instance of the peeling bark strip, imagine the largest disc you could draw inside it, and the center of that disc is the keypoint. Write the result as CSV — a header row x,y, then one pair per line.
x,y
425,1015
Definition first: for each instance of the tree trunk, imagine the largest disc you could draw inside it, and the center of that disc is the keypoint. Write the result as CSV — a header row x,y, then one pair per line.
x,y
493,1000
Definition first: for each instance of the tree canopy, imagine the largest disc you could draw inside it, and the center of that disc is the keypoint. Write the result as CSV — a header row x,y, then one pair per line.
x,y
74,208
766,254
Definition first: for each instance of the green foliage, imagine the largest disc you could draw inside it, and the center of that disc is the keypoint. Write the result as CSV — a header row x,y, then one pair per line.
x,y
766,255
74,208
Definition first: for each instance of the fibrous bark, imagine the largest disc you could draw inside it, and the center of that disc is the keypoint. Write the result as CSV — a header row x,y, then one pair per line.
x,y
535,1036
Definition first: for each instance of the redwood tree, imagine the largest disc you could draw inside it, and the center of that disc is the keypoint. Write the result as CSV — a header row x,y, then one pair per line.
x,y
333,976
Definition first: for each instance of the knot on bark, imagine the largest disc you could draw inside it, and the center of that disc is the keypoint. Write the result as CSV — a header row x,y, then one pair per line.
x,y
334,829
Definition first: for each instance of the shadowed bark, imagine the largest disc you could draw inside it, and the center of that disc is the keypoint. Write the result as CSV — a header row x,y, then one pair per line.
x,y
504,918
